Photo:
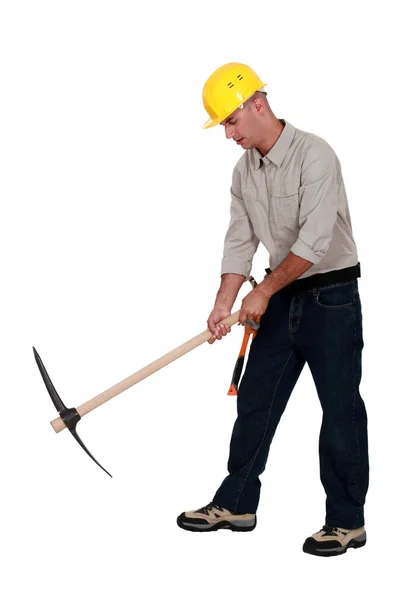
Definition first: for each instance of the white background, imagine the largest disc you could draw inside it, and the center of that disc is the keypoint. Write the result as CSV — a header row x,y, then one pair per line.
x,y
114,206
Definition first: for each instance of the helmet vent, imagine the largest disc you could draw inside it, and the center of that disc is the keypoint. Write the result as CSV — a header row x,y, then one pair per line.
x,y
230,84
240,77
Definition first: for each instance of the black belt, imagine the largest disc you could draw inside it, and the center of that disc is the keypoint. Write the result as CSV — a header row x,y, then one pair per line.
x,y
308,283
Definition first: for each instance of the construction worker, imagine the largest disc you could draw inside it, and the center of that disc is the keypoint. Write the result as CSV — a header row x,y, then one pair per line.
x,y
288,193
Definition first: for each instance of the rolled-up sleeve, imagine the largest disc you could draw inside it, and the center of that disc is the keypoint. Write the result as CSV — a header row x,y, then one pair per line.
x,y
318,198
240,242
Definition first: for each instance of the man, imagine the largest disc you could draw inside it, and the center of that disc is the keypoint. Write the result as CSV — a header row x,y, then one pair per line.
x,y
288,193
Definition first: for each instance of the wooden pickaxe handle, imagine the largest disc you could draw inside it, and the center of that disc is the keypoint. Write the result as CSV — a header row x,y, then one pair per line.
x,y
58,424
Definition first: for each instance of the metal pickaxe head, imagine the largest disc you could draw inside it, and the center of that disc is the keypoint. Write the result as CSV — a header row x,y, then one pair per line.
x,y
70,416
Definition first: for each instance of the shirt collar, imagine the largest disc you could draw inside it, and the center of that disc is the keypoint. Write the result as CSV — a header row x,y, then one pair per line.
x,y
279,150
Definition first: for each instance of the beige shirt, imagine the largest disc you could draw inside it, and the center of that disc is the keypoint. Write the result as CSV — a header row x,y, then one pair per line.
x,y
292,199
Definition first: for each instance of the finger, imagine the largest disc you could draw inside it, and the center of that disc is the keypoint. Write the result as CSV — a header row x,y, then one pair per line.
x,y
211,326
242,316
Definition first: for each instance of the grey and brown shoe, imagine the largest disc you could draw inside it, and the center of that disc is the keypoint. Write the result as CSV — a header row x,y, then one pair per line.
x,y
213,517
331,541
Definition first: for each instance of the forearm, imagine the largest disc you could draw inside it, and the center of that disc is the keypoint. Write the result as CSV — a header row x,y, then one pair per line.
x,y
290,269
228,291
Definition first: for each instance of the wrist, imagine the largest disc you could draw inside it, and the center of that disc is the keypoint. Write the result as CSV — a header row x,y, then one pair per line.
x,y
223,304
264,289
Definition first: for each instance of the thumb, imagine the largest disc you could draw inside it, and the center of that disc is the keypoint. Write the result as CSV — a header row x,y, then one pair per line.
x,y
242,316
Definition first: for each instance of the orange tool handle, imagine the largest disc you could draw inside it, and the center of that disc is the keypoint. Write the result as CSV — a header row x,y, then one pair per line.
x,y
233,389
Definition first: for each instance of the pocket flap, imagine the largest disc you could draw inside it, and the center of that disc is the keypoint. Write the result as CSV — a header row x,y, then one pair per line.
x,y
285,189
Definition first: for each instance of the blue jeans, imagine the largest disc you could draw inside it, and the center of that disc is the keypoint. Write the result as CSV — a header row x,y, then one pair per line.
x,y
322,327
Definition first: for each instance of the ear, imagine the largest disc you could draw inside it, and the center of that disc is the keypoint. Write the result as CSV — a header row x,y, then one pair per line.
x,y
259,106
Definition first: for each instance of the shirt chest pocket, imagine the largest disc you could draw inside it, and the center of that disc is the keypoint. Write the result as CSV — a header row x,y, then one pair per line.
x,y
284,204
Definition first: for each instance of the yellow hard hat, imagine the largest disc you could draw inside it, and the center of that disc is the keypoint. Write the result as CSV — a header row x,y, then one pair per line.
x,y
226,89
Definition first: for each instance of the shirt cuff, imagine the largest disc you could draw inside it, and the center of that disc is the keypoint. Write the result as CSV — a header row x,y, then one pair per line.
x,y
236,266
301,249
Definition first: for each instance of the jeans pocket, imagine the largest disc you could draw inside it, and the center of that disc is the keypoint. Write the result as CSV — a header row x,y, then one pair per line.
x,y
337,295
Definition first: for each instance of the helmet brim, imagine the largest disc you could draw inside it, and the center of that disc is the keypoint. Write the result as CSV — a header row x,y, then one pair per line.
x,y
210,123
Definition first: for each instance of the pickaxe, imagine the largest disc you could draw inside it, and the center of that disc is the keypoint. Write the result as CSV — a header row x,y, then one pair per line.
x,y
69,417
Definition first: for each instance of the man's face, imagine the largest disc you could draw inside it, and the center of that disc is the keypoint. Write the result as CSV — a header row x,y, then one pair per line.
x,y
241,126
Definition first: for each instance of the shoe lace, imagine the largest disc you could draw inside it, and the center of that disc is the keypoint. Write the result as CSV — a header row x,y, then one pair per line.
x,y
330,529
207,509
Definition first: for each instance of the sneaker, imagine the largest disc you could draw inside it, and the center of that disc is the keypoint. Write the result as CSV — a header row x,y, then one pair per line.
x,y
331,541
213,517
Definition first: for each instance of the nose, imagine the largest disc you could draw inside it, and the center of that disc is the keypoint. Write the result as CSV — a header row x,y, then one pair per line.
x,y
229,132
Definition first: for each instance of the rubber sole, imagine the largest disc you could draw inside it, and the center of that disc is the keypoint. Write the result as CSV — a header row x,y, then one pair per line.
x,y
220,525
309,548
